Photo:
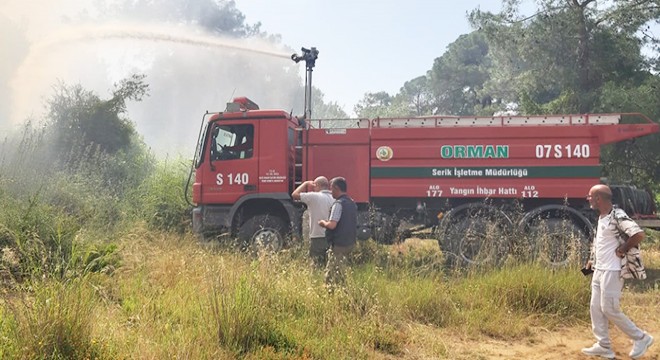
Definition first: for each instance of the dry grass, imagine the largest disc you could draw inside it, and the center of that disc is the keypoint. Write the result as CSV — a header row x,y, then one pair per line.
x,y
175,298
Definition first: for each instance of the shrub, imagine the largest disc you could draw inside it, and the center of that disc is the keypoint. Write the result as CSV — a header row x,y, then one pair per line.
x,y
159,199
48,242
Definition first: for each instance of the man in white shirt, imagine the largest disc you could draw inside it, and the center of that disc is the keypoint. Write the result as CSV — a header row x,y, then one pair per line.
x,y
609,248
318,198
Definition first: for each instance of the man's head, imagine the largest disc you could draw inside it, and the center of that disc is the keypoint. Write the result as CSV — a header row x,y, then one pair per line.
x,y
338,187
321,183
600,198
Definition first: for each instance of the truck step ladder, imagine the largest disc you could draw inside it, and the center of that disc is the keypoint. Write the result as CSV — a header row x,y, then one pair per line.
x,y
299,157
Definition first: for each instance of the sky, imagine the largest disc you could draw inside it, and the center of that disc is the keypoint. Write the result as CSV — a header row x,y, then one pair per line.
x,y
366,45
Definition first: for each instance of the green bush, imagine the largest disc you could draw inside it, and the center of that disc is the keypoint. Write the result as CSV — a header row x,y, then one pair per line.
x,y
47,241
159,199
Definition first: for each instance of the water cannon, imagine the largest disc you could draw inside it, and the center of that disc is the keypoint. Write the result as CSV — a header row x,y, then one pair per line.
x,y
309,55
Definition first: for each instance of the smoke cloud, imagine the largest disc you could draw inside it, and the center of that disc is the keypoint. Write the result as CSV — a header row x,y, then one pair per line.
x,y
188,71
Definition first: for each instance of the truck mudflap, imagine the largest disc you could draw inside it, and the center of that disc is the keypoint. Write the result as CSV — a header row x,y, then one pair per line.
x,y
211,219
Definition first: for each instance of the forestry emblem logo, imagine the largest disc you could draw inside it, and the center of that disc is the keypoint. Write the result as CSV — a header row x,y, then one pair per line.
x,y
384,153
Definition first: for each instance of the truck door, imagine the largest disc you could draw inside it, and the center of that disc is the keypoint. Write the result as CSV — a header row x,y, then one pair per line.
x,y
234,162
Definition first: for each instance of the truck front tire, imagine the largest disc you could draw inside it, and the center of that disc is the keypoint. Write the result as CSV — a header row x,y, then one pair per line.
x,y
263,232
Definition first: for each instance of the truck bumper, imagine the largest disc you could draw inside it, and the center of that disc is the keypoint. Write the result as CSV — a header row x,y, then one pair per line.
x,y
211,219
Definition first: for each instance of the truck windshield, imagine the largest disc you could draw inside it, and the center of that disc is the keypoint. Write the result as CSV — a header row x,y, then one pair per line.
x,y
230,142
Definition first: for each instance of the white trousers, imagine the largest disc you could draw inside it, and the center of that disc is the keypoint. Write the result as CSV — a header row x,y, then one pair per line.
x,y
606,287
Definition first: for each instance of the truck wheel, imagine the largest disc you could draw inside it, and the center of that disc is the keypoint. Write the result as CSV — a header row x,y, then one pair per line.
x,y
385,231
556,235
476,241
558,242
263,232
479,235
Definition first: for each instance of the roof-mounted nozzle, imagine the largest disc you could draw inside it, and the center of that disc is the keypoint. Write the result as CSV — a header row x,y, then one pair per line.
x,y
310,56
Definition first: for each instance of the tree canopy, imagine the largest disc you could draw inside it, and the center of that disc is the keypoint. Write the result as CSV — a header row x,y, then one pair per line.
x,y
78,118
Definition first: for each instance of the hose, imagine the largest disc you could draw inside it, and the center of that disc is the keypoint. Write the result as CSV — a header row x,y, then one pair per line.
x,y
633,200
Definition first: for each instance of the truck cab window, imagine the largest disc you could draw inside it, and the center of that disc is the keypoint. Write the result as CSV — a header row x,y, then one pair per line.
x,y
231,142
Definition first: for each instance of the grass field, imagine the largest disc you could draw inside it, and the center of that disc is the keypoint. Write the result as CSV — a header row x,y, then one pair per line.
x,y
172,297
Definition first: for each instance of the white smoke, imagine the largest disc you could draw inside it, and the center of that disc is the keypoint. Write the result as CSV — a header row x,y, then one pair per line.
x,y
188,71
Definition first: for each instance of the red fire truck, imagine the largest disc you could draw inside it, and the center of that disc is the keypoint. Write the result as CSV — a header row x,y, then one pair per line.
x,y
464,177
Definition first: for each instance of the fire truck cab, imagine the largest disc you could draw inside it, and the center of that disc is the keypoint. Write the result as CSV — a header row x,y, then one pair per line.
x,y
243,173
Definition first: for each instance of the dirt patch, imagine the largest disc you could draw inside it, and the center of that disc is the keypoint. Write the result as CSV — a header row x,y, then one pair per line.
x,y
559,344
555,345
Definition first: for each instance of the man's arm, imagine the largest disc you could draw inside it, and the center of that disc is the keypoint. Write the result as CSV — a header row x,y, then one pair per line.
x,y
631,243
335,215
630,232
304,187
328,224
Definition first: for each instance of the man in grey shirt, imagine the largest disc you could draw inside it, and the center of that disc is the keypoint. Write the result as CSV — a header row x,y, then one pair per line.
x,y
318,198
